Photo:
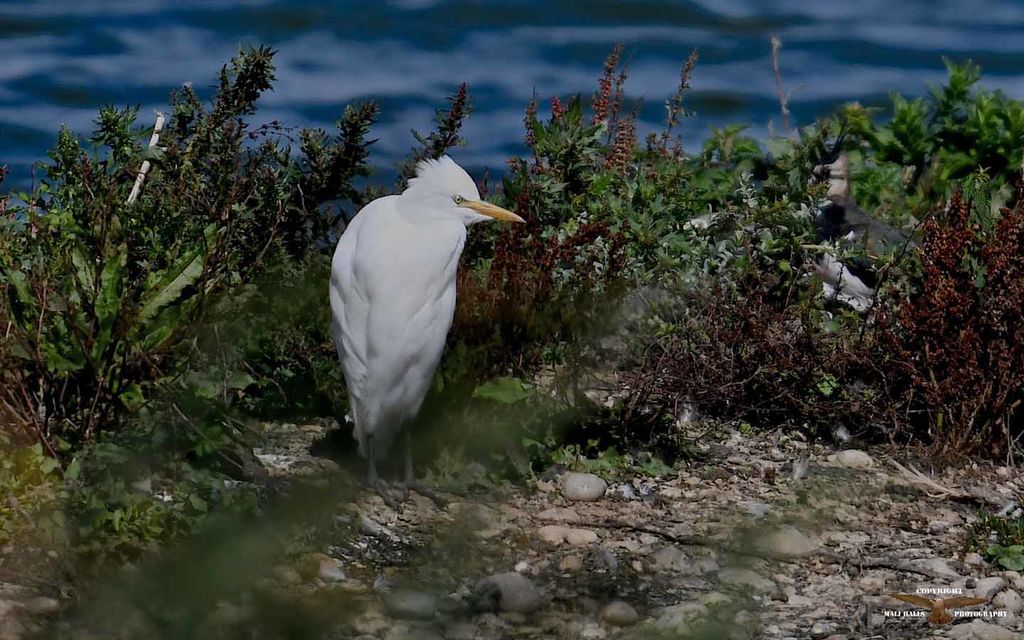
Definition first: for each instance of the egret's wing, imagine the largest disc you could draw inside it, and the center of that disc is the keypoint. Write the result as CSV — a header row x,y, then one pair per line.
x,y
393,297
350,307
411,308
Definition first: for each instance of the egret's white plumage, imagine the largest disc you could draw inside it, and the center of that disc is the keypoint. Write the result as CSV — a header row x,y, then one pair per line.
x,y
392,296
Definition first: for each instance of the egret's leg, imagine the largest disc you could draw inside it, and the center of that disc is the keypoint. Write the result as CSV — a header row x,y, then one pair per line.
x,y
371,467
374,481
410,477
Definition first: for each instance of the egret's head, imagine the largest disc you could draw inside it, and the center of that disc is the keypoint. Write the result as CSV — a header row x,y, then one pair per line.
x,y
443,188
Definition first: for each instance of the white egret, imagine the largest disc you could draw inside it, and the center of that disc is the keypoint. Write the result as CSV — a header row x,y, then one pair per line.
x,y
392,298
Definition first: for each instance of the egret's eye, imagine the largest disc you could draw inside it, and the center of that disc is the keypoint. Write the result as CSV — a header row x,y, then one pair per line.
x,y
458,199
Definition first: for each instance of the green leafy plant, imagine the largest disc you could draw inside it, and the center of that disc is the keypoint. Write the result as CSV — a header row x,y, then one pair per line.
x,y
102,288
1000,540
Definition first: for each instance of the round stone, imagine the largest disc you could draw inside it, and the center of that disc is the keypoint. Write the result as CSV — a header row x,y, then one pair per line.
x,y
619,613
583,487
581,537
854,459
553,533
509,592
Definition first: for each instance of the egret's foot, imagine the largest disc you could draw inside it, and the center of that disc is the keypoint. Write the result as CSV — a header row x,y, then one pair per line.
x,y
381,488
423,490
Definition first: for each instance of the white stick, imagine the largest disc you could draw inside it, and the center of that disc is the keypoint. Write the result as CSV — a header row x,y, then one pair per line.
x,y
144,169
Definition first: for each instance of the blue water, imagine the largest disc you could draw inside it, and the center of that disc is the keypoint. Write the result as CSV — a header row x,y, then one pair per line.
x,y
61,59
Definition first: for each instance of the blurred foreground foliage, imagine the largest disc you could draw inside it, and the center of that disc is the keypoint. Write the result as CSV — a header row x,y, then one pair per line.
x,y
143,339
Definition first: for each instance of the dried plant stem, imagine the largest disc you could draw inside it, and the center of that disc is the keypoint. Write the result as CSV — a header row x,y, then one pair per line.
x,y
783,96
144,169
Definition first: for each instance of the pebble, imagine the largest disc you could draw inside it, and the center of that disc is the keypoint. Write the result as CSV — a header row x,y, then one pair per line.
x,y
409,604
937,565
852,459
755,509
746,578
570,564
822,629
370,623
509,592
626,491
873,585
619,614
583,487
714,597
559,514
788,542
988,587
676,618
42,605
553,533
331,570
1009,601
980,630
581,537
669,557
603,558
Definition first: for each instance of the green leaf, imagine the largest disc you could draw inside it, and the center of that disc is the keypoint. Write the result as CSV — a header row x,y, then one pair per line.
x,y
22,301
48,466
197,503
85,271
827,385
132,397
73,470
184,273
69,357
1013,562
506,390
108,301
655,468
239,380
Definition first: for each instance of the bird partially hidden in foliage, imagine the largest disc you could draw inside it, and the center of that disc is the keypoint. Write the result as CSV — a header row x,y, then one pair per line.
x,y
392,297
939,606
842,224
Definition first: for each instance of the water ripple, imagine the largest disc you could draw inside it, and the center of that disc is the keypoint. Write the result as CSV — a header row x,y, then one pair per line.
x,y
64,58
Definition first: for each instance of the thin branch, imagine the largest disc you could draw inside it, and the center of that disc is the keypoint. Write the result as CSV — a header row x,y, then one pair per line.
x,y
783,96
144,169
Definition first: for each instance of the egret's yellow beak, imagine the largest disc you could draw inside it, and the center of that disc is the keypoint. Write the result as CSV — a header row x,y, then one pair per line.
x,y
492,211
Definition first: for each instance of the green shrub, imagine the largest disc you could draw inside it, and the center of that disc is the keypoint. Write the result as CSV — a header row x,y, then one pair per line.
x,y
101,295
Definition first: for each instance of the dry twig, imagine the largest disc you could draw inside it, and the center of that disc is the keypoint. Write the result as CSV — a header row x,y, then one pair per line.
x,y
144,169
783,97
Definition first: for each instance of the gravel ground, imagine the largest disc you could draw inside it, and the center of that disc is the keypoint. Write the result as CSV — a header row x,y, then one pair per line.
x,y
769,537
